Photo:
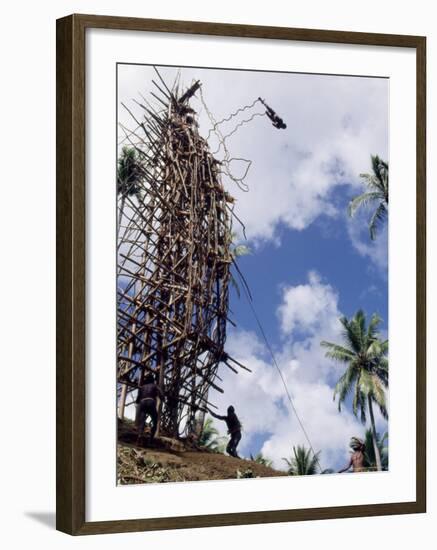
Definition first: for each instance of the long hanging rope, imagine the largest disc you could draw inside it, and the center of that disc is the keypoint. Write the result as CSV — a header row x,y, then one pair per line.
x,y
232,115
222,143
239,125
269,347
227,159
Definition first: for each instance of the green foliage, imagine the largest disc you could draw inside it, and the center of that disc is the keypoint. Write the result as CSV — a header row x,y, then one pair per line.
x,y
366,374
130,172
376,195
245,474
303,462
365,357
369,453
133,467
240,250
209,437
259,458
237,251
155,473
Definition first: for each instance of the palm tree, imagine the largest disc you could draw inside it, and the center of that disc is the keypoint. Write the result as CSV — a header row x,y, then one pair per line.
x,y
366,375
209,437
130,172
377,193
259,458
303,463
369,453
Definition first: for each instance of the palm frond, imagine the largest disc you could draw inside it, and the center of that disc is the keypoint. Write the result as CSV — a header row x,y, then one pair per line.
x,y
359,403
365,357
364,200
259,458
355,330
380,170
377,185
378,395
209,437
372,332
344,385
337,352
303,461
378,218
369,452
384,346
130,172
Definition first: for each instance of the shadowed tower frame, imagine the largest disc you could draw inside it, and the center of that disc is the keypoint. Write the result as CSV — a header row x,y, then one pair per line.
x,y
173,262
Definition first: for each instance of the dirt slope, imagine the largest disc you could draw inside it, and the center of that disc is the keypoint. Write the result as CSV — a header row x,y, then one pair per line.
x,y
170,460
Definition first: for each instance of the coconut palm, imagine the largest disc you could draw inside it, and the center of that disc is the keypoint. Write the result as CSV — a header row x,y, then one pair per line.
x,y
130,172
369,453
366,374
209,437
259,458
303,462
376,194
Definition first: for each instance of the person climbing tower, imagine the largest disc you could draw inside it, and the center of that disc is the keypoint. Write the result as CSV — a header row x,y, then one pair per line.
x,y
234,430
146,404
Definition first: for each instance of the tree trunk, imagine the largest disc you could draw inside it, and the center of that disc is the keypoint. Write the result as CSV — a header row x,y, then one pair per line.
x,y
122,401
120,213
374,439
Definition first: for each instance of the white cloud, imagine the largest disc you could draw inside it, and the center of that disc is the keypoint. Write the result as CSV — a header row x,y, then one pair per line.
x,y
329,430
261,403
308,306
308,314
375,251
334,124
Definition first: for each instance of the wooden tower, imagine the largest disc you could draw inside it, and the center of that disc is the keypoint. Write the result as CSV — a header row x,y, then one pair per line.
x,y
174,257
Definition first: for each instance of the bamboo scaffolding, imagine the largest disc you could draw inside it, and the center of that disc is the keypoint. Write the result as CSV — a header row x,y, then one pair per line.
x,y
173,263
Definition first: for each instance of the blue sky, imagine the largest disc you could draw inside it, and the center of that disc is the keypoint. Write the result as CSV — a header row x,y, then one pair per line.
x,y
268,267
309,263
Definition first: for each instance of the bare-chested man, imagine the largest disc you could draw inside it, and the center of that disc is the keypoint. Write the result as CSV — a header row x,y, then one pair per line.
x,y
357,457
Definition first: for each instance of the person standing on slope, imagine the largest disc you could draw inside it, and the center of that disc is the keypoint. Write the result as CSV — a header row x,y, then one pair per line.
x,y
234,430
